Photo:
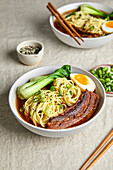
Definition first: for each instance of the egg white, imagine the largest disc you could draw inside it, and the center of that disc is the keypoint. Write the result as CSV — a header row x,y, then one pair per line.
x,y
90,86
106,29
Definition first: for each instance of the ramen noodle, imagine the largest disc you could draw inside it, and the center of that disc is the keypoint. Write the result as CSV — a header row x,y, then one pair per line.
x,y
46,103
86,22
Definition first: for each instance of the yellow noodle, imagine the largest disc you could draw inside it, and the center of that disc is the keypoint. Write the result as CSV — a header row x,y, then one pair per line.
x,y
87,22
54,104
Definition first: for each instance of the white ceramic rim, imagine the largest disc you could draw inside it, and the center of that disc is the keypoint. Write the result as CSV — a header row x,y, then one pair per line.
x,y
56,130
29,42
52,24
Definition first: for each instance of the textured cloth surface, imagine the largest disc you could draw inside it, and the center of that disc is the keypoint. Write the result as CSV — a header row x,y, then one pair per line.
x,y
20,149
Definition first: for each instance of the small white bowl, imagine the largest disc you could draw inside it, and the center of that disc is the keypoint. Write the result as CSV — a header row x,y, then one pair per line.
x,y
32,59
52,132
88,42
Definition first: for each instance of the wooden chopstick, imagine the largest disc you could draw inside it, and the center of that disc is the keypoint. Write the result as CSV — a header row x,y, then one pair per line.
x,y
65,21
101,154
62,23
97,150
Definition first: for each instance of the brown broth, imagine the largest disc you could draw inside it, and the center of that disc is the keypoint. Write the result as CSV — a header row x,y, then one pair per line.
x,y
19,104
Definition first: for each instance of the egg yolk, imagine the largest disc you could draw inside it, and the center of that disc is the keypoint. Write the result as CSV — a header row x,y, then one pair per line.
x,y
82,79
109,24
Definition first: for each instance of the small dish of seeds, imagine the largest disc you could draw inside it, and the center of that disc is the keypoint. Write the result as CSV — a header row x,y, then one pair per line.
x,y
30,52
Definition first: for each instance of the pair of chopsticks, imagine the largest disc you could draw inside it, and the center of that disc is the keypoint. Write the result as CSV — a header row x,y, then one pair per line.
x,y
110,135
64,23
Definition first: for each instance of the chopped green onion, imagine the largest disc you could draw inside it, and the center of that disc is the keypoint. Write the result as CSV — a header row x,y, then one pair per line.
x,y
21,109
107,79
96,75
61,106
105,69
108,17
111,68
72,13
105,76
68,86
47,111
92,27
100,72
60,93
41,95
52,88
42,99
106,89
109,89
79,16
93,71
70,92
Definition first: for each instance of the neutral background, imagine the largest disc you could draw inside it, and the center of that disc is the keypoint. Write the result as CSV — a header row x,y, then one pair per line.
x,y
19,148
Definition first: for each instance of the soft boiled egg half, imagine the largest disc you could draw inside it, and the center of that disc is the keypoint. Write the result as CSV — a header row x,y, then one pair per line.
x,y
108,27
83,82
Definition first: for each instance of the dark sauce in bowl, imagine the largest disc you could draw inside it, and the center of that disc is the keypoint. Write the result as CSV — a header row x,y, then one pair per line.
x,y
19,105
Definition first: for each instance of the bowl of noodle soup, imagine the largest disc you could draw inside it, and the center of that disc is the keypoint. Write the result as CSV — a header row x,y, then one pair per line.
x,y
54,132
89,42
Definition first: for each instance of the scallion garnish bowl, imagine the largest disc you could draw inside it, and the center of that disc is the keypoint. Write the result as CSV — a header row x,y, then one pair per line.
x,y
104,73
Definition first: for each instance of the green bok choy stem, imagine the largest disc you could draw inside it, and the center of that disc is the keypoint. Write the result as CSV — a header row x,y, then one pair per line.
x,y
91,10
28,89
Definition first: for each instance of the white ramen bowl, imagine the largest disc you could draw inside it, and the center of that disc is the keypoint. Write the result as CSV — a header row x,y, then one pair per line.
x,y
88,42
51,132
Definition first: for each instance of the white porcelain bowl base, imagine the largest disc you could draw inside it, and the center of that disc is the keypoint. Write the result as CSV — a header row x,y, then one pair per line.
x,y
51,132
88,42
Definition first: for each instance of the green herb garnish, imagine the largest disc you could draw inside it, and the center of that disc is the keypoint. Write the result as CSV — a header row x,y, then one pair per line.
x,y
111,68
79,16
46,111
61,106
108,17
21,109
92,27
72,13
60,93
42,99
41,95
68,86
105,76
70,92
52,88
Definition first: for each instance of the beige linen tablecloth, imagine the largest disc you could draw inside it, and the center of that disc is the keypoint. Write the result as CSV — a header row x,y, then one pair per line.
x,y
20,149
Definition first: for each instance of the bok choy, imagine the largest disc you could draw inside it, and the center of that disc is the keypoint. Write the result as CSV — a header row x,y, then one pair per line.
x,y
28,89
93,11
